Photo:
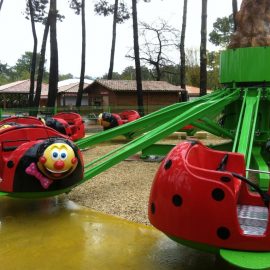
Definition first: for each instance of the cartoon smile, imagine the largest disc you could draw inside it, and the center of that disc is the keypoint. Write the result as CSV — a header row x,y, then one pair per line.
x,y
63,171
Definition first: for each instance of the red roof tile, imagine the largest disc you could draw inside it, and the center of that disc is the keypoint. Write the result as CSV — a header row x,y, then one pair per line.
x,y
21,87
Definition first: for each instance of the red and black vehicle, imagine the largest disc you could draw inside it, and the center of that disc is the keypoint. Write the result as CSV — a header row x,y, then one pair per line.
x,y
201,197
68,123
36,160
110,120
21,120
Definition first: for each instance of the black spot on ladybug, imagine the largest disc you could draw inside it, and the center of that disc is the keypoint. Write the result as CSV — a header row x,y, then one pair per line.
x,y
218,194
153,208
193,142
10,164
177,200
223,233
225,179
168,164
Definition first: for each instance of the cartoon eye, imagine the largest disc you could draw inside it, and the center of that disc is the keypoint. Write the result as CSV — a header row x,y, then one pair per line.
x,y
63,154
55,154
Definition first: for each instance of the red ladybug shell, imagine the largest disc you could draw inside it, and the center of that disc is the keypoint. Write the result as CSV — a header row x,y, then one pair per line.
x,y
20,148
191,200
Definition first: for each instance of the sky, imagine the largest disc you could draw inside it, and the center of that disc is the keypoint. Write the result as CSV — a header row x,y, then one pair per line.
x,y
16,35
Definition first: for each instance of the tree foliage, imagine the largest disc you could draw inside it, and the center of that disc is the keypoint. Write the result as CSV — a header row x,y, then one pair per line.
x,y
170,72
40,8
222,31
213,59
105,8
6,74
76,6
154,49
21,70
41,11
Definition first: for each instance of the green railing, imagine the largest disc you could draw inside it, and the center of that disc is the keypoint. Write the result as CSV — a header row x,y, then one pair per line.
x,y
85,111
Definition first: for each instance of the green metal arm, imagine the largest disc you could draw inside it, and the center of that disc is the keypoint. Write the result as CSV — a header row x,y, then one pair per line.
x,y
203,108
150,121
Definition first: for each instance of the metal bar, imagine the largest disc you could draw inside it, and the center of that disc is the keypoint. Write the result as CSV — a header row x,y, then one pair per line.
x,y
255,116
257,171
261,164
149,121
160,132
246,128
213,128
237,133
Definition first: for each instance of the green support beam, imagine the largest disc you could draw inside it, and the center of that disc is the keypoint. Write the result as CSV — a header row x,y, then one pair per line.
x,y
193,113
150,121
246,126
261,166
212,127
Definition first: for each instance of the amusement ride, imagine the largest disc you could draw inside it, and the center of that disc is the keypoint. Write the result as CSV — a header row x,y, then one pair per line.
x,y
214,198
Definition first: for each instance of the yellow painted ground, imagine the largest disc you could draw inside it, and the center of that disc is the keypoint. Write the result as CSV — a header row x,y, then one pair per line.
x,y
57,234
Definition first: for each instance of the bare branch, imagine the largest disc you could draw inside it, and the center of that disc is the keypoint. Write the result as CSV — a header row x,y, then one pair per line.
x,y
158,41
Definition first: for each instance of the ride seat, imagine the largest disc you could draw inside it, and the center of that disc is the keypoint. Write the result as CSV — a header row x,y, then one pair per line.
x,y
204,162
73,129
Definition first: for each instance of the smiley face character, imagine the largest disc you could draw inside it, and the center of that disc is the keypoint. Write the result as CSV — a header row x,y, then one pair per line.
x,y
58,161
103,121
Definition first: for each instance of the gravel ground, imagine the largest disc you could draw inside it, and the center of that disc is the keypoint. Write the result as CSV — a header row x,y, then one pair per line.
x,y
122,190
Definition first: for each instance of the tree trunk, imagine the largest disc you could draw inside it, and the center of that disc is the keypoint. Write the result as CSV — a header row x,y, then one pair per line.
x,y
203,58
53,77
42,62
137,59
1,3
115,14
253,21
182,48
81,84
34,57
235,9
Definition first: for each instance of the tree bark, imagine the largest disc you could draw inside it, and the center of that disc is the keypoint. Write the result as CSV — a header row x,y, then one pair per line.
x,y
1,3
42,62
53,78
182,48
137,59
253,25
234,9
81,84
203,57
34,57
115,14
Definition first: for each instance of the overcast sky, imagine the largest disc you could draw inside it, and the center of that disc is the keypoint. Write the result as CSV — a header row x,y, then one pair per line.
x,y
16,36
